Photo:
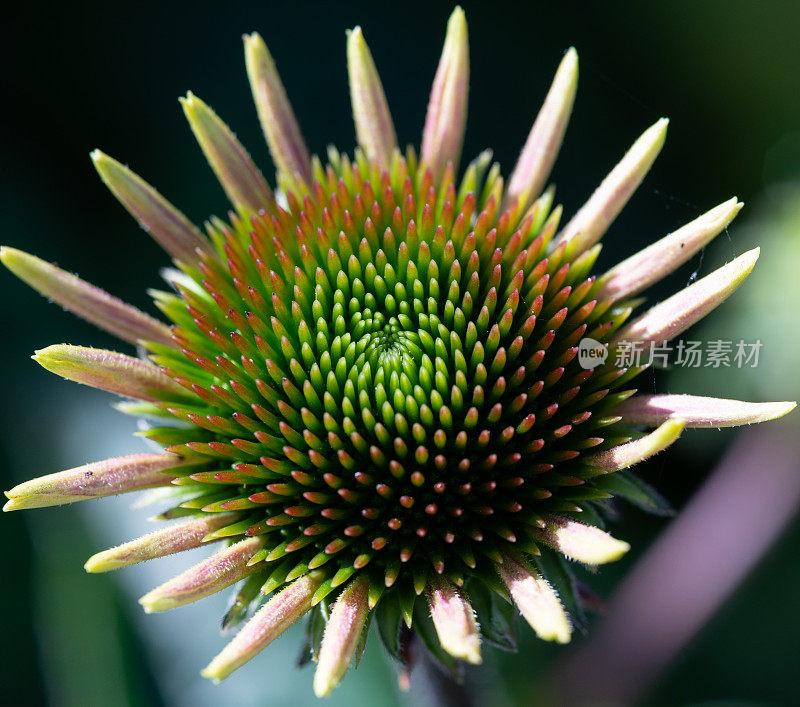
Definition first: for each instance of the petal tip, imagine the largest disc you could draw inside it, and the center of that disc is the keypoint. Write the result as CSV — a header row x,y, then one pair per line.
x,y
570,63
24,497
7,254
629,454
322,688
779,410
457,23
152,603
582,542
469,650
99,563
373,122
653,139
672,428
10,505
699,411
211,673
751,255
617,550
446,117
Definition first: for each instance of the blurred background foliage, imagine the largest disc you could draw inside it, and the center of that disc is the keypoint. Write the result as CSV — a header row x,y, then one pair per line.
x,y
97,74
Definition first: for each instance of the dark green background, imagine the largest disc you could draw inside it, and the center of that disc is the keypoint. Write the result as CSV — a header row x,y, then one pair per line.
x,y
100,74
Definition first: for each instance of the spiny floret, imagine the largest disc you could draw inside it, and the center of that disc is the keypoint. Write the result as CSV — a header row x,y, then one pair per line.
x,y
391,372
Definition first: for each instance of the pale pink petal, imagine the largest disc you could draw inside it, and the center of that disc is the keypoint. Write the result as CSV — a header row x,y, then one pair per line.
x,y
698,411
286,144
87,301
219,571
164,541
662,257
168,226
374,127
242,181
446,120
96,480
626,455
108,370
347,620
596,215
269,622
676,314
544,141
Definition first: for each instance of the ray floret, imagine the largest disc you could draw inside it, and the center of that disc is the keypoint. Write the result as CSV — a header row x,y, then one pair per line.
x,y
374,126
544,141
446,120
219,571
454,620
242,181
168,226
587,226
281,130
178,537
674,315
345,625
87,301
536,599
96,480
699,411
270,621
626,455
648,266
108,370
582,542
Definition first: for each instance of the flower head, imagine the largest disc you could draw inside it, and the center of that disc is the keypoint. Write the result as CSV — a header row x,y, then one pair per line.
x,y
368,393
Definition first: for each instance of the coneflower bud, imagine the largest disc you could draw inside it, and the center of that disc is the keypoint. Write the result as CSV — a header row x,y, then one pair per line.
x,y
368,391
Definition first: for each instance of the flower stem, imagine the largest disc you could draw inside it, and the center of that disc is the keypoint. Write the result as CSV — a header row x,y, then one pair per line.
x,y
436,687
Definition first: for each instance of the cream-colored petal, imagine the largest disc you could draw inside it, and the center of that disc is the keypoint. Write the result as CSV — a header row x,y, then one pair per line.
x,y
626,455
544,140
374,126
242,181
593,219
648,266
580,541
536,599
454,620
269,622
446,120
676,314
281,130
698,411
